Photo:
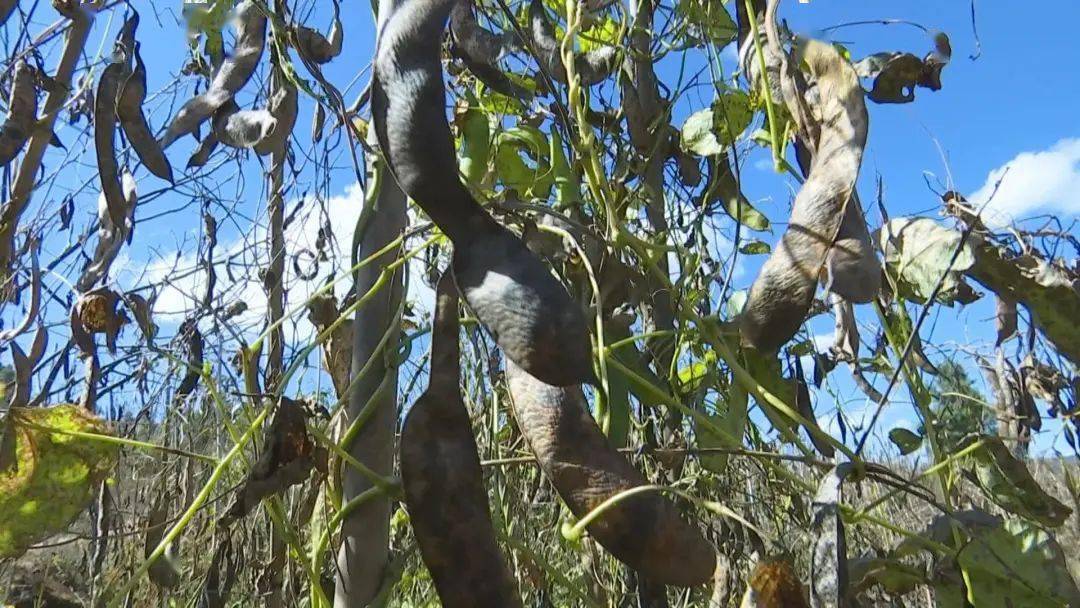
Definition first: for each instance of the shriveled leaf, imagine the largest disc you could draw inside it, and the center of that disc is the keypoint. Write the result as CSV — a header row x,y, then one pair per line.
x,y
918,251
287,457
906,440
1005,318
896,75
55,474
1007,482
773,584
755,248
1046,289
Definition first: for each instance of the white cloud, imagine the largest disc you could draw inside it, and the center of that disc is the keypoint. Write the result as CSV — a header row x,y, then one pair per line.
x,y
1047,181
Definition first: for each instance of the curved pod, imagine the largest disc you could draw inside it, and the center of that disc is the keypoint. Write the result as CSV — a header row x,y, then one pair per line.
x,y
443,482
129,108
782,293
644,530
533,318
22,112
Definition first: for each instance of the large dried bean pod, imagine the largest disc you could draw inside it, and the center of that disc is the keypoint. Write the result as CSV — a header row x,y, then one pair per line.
x,y
283,108
781,295
316,47
105,105
234,73
443,482
643,530
480,50
242,128
129,108
514,295
22,112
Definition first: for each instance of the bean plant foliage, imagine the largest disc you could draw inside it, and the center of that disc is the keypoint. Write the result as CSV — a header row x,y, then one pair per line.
x,y
464,303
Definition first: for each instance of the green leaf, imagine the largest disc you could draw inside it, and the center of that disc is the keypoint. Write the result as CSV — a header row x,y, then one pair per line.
x,y
1015,564
755,248
533,178
697,135
733,421
894,576
918,252
710,132
714,22
692,376
731,115
55,476
475,144
1007,482
906,440
603,33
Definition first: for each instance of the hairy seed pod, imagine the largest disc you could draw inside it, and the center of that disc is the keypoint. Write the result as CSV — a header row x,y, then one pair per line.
x,y
283,108
591,67
111,235
480,49
852,269
316,47
105,102
129,108
644,530
22,112
782,293
234,73
443,482
514,295
242,128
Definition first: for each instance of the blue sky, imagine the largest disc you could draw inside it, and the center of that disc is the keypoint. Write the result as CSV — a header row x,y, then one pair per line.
x,y
1015,103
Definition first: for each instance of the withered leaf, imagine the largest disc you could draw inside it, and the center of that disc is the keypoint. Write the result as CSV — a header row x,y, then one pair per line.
x,y
286,459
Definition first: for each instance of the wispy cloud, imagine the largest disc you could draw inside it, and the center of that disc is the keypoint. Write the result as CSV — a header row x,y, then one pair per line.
x,y
1046,181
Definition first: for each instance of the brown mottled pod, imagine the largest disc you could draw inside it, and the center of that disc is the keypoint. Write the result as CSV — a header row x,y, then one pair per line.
x,y
242,128
644,530
22,112
316,47
533,319
781,295
235,71
443,482
129,108
512,292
